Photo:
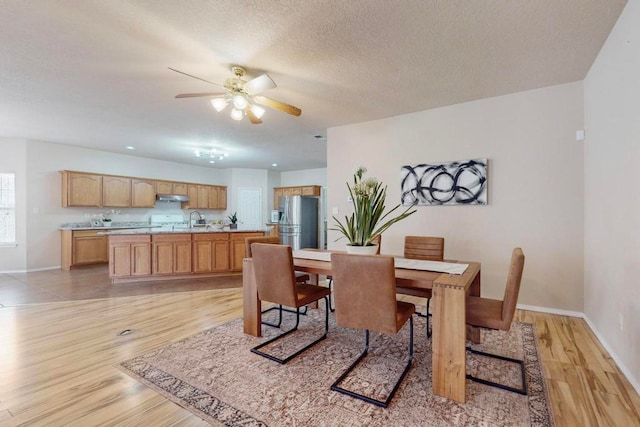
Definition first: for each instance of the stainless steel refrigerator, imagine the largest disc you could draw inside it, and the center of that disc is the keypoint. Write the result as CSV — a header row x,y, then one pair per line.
x,y
298,221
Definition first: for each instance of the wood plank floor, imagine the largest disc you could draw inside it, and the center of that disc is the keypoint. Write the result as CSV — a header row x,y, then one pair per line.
x,y
59,347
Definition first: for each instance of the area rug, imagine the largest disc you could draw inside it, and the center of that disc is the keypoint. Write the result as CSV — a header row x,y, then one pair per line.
x,y
214,375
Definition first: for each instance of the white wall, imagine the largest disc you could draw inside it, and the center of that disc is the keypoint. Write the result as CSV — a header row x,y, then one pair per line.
x,y
535,185
304,177
612,198
13,159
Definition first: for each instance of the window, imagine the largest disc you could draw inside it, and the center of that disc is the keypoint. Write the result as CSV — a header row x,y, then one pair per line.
x,y
7,208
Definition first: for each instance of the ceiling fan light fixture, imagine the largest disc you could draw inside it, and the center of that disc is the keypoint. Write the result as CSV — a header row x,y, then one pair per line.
x,y
240,102
257,111
236,114
219,104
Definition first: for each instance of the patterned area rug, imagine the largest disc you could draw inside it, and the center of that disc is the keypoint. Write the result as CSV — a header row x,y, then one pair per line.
x,y
214,375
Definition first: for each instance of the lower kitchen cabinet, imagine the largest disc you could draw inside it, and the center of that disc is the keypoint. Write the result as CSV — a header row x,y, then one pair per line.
x,y
83,247
210,252
129,256
237,251
171,254
176,255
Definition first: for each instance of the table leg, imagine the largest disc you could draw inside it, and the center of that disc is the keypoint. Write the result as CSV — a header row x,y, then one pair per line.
x,y
448,342
473,333
251,304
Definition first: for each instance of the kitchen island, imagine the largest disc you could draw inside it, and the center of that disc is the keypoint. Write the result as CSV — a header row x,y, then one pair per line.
x,y
145,254
83,244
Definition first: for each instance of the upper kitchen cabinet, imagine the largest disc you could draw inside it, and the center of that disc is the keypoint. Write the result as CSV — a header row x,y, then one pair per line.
x,y
222,197
164,187
81,189
116,191
168,187
304,190
206,197
180,188
217,197
143,193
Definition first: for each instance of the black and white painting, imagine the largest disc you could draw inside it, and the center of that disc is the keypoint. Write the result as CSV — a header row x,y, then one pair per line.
x,y
461,182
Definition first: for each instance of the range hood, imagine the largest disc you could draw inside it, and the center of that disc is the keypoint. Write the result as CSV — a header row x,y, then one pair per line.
x,y
172,198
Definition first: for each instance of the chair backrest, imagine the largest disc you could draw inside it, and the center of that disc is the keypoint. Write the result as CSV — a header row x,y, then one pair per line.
x,y
512,289
273,269
274,240
424,247
365,292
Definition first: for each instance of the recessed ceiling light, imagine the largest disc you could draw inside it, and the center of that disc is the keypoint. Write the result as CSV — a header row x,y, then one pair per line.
x,y
274,165
212,161
129,147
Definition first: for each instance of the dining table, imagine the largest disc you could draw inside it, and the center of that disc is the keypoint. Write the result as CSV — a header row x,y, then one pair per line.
x,y
449,284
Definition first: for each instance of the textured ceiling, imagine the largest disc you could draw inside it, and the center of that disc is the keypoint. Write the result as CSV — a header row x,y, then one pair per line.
x,y
94,73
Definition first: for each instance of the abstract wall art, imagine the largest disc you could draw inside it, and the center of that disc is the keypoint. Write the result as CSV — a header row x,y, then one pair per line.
x,y
461,182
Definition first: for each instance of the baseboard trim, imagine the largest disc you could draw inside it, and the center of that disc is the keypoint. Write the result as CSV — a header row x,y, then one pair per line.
x,y
634,381
56,267
550,310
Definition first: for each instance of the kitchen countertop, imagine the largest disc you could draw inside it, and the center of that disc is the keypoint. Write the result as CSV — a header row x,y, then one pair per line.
x,y
194,230
116,225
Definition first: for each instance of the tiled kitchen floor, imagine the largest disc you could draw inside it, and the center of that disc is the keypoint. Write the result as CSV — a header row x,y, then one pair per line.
x,y
91,283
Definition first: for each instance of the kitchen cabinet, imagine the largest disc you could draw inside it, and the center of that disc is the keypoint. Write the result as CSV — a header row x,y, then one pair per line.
x,y
203,197
116,191
169,187
81,189
130,256
171,254
210,252
222,198
83,247
237,250
305,190
198,197
143,193
274,229
164,187
217,197
180,188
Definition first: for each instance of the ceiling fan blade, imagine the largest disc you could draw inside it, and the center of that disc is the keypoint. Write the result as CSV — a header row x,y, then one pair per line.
x,y
272,103
182,72
252,117
195,95
259,84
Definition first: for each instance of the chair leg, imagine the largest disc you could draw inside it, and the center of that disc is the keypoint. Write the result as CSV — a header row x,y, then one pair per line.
x,y
280,309
331,307
427,315
381,403
522,390
282,361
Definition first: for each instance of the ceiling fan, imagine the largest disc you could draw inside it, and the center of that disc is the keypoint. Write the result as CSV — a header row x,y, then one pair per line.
x,y
244,96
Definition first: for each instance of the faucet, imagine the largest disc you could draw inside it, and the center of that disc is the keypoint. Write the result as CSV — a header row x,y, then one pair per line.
x,y
191,215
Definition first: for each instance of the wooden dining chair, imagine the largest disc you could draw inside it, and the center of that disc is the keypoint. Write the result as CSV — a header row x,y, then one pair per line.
x,y
423,248
275,282
498,314
376,240
300,276
365,296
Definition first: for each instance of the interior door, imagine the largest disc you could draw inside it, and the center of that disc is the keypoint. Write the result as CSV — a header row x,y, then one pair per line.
x,y
250,208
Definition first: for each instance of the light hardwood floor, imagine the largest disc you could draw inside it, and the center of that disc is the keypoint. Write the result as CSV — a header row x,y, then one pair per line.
x,y
58,359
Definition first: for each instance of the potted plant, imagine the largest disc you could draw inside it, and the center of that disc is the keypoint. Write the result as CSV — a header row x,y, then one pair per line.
x,y
234,221
368,219
106,217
